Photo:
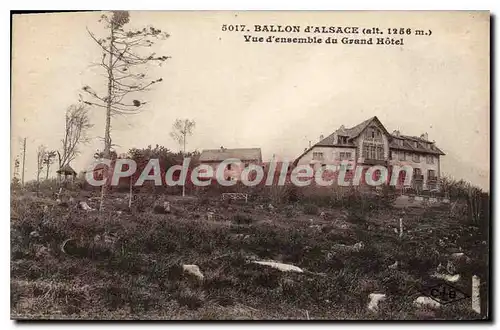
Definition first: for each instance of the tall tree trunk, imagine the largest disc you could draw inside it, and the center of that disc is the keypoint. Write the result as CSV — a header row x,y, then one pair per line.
x,y
107,135
48,167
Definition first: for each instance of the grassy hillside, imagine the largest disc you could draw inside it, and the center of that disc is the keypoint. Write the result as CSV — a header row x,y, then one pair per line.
x,y
123,264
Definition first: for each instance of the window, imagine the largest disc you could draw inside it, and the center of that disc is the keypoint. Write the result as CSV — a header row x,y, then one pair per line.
x,y
417,172
430,159
345,156
402,155
373,151
399,142
229,167
415,144
431,174
415,158
373,133
342,139
317,156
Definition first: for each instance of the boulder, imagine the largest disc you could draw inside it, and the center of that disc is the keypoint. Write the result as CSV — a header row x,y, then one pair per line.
x,y
84,206
278,265
375,298
394,265
423,301
193,270
447,277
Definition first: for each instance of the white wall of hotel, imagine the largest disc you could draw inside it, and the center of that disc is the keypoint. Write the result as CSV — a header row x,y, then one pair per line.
x,y
331,156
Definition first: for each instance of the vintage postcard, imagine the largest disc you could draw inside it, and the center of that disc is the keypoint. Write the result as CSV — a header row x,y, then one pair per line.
x,y
260,165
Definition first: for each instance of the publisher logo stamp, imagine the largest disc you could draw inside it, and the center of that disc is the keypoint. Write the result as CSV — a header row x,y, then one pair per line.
x,y
444,293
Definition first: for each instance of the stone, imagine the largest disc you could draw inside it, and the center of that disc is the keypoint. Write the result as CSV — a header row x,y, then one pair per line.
x,y
355,248
394,265
84,206
166,206
34,234
447,277
193,270
375,299
423,301
278,265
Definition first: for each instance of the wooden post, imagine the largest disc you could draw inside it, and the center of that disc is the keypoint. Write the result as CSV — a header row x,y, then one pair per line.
x,y
476,299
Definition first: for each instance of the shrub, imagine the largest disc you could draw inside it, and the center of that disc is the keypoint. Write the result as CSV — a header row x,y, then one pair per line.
x,y
193,299
311,209
242,219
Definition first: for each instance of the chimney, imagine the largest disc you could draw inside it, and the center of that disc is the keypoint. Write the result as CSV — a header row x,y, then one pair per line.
x,y
321,137
425,136
395,133
309,143
342,127
221,148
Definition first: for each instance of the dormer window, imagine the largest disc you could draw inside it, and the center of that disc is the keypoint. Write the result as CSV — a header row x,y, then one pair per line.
x,y
342,139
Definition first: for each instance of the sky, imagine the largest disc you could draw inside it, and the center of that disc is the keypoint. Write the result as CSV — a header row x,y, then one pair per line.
x,y
274,96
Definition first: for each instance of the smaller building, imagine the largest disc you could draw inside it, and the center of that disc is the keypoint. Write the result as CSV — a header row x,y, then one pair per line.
x,y
214,157
66,172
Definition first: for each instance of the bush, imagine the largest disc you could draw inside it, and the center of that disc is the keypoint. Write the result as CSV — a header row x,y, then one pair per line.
x,y
311,209
242,219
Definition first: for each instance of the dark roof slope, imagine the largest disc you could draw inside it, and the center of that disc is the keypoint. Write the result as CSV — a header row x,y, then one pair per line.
x,y
66,170
219,155
423,146
351,133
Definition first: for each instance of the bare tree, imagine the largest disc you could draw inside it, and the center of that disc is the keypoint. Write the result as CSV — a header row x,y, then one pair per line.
x,y
122,62
75,133
49,160
181,129
40,156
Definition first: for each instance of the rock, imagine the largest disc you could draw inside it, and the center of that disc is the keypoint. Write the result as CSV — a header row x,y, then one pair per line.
x,y
354,248
119,212
193,270
34,234
84,206
447,277
280,266
166,206
423,301
375,298
394,265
